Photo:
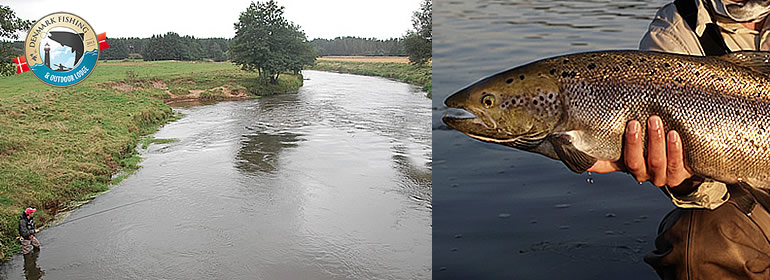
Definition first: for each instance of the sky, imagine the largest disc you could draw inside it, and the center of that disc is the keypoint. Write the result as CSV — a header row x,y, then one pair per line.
x,y
382,19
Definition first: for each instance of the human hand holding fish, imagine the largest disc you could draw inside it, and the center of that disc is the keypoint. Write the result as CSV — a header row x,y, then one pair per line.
x,y
665,161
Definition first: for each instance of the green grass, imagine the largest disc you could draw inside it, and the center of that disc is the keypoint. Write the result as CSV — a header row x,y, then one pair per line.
x,y
408,73
147,140
63,145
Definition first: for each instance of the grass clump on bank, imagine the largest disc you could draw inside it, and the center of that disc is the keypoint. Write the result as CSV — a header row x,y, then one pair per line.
x,y
59,146
408,73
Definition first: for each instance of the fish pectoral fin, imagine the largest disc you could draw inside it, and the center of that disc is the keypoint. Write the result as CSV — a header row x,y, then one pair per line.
x,y
574,159
758,61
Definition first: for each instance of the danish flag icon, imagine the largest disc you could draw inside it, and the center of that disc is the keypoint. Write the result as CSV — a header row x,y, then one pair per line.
x,y
21,64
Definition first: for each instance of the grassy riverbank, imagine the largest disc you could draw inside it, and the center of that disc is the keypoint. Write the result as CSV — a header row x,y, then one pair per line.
x,y
59,146
405,72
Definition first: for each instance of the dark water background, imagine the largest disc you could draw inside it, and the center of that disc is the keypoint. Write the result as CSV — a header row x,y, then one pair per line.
x,y
333,182
502,213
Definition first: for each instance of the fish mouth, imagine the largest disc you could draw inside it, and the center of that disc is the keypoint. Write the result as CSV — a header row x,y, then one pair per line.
x,y
476,128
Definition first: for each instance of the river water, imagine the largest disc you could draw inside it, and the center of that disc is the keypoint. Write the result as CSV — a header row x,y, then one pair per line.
x,y
333,182
502,213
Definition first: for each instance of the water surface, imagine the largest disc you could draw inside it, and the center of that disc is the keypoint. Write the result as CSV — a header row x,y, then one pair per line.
x,y
333,182
507,214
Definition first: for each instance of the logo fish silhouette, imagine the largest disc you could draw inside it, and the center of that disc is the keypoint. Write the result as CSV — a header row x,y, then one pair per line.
x,y
72,40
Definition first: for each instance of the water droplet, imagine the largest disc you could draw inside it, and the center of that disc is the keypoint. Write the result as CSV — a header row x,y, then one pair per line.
x,y
503,215
590,180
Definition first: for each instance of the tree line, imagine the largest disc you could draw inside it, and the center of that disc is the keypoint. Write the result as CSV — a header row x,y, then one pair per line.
x,y
358,46
169,46
173,46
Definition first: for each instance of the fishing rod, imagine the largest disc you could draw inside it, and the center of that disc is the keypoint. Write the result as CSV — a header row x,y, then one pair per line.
x,y
109,209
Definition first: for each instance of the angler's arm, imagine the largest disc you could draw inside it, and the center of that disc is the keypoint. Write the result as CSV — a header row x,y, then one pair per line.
x,y
668,32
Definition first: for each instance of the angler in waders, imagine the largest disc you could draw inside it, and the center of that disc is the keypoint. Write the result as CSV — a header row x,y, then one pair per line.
x,y
717,231
27,230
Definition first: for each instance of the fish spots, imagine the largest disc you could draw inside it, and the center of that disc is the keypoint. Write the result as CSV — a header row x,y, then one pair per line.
x,y
666,65
751,141
642,59
697,73
591,66
565,61
508,81
616,69
570,74
553,71
521,77
542,103
629,63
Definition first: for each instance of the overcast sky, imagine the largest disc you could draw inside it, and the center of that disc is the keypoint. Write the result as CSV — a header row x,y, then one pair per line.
x,y
381,19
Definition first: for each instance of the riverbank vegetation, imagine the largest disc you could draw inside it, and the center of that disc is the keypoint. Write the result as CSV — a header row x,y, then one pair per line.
x,y
64,145
404,72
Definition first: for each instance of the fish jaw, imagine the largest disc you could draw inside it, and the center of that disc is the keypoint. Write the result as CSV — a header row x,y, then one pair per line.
x,y
478,129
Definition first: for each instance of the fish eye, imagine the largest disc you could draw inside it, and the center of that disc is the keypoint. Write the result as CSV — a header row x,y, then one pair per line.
x,y
488,100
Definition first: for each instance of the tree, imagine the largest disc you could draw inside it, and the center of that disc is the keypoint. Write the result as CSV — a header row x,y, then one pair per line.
x,y
418,43
268,43
10,25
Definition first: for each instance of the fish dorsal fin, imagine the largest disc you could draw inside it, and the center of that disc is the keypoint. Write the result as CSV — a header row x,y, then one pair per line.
x,y
755,60
574,159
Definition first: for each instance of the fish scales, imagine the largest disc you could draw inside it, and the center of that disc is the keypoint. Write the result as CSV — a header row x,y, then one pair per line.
x,y
720,106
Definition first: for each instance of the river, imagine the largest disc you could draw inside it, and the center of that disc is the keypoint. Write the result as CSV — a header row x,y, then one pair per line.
x,y
503,213
333,182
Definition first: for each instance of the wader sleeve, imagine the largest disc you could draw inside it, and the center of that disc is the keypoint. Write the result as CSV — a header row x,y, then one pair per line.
x,y
709,195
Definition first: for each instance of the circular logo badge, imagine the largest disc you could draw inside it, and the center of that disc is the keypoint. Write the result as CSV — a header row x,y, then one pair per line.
x,y
61,49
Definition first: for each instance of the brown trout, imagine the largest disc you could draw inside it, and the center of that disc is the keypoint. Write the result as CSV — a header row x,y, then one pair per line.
x,y
574,108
